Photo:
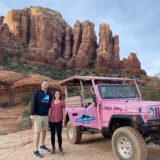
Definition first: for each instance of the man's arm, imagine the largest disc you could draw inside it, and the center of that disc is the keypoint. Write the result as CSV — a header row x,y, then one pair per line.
x,y
33,104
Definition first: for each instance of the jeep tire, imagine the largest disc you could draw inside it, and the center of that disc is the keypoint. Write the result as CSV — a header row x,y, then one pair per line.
x,y
74,133
128,144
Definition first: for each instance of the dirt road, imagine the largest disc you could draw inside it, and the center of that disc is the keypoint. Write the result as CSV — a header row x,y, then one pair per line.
x,y
19,146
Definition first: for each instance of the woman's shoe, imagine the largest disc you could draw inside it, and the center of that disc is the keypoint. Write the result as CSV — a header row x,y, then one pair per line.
x,y
61,151
53,150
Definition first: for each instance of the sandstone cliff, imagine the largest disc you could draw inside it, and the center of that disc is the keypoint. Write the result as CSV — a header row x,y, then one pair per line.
x,y
41,35
108,51
87,45
132,65
13,85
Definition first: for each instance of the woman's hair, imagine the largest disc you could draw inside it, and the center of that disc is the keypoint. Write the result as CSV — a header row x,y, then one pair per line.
x,y
55,93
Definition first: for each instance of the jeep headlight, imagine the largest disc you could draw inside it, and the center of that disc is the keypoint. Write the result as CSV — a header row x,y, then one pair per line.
x,y
151,113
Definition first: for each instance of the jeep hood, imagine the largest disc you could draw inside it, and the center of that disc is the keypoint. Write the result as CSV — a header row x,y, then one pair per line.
x,y
131,105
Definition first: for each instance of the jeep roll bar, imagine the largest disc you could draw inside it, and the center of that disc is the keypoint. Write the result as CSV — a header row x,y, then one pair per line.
x,y
93,78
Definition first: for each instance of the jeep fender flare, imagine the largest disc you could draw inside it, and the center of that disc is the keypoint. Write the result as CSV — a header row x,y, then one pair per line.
x,y
127,119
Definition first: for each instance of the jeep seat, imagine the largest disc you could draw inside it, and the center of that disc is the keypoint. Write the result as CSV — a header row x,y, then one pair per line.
x,y
75,101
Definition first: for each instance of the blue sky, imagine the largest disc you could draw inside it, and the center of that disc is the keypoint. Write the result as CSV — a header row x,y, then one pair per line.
x,y
137,22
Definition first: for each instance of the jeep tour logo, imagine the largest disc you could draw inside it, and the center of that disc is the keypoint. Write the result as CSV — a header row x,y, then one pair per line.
x,y
85,118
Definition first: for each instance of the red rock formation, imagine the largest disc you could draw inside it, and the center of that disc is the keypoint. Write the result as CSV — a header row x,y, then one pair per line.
x,y
17,21
60,63
116,59
68,43
31,82
132,65
7,79
1,22
13,85
4,37
105,50
43,36
87,46
42,30
77,36
46,29
70,63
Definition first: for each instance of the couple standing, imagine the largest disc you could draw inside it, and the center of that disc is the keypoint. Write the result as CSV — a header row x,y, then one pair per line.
x,y
46,109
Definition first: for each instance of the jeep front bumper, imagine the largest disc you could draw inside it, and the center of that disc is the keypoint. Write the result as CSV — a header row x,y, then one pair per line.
x,y
151,127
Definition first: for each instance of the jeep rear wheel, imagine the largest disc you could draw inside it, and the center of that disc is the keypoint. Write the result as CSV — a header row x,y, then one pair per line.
x,y
128,144
74,133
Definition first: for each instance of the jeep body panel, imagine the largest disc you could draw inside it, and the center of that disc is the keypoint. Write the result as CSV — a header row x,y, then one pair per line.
x,y
127,107
87,117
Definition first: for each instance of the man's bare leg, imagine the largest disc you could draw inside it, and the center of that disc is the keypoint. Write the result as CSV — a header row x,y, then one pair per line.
x,y
36,140
43,137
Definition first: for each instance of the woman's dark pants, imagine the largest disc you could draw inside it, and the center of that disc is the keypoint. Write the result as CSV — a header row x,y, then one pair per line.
x,y
56,127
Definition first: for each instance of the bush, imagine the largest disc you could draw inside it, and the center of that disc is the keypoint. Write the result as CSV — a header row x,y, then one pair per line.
x,y
151,90
3,132
5,103
26,98
150,93
25,122
6,59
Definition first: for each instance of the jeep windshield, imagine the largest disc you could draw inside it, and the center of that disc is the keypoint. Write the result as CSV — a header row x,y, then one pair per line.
x,y
116,91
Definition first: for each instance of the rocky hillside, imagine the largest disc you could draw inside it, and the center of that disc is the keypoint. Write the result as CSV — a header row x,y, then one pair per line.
x,y
40,35
18,88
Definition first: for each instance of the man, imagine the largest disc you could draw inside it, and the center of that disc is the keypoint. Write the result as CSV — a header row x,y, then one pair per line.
x,y
40,105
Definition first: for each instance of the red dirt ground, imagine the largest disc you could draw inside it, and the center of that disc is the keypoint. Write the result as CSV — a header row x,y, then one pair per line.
x,y
19,145
93,146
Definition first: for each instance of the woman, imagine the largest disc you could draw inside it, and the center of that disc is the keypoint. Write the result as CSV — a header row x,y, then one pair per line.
x,y
55,121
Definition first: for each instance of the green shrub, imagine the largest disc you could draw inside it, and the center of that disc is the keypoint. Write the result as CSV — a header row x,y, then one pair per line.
x,y
6,59
3,132
25,122
150,93
151,90
5,103
26,98
25,114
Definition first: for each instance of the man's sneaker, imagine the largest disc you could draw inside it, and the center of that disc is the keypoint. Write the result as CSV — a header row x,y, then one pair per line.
x,y
37,154
44,148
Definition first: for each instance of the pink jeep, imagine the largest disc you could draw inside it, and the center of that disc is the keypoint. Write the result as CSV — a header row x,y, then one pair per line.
x,y
114,107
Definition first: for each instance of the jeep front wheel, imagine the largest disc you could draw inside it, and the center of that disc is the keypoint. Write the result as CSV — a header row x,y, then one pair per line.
x,y
128,144
74,133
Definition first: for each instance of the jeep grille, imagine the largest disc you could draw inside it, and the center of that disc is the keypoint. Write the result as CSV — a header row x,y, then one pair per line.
x,y
157,112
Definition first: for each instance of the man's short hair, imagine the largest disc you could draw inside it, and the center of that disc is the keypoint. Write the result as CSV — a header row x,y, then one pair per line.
x,y
45,81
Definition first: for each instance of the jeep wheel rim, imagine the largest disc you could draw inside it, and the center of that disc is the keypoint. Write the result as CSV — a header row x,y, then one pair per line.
x,y
124,147
70,133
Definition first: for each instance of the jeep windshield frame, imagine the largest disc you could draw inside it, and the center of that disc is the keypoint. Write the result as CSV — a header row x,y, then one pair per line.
x,y
116,91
